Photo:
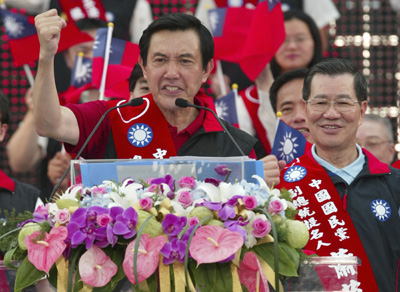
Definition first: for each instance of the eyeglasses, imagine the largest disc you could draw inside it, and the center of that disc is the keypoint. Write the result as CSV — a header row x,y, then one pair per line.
x,y
372,142
340,105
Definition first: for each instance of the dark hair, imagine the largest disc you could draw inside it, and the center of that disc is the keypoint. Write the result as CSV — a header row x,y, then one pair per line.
x,y
136,74
282,80
317,56
4,109
90,23
175,22
334,67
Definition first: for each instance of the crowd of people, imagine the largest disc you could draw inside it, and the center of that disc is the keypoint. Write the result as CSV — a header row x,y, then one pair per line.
x,y
345,188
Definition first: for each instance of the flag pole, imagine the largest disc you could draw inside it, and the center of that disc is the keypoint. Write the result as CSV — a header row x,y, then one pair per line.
x,y
220,76
29,75
106,59
278,117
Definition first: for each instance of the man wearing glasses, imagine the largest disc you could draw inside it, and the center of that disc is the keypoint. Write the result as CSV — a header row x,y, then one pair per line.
x,y
348,199
376,135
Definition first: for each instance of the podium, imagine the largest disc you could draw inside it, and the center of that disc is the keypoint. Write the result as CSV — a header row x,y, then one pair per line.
x,y
94,172
320,274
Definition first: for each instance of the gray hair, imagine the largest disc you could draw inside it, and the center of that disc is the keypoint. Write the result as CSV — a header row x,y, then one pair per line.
x,y
385,122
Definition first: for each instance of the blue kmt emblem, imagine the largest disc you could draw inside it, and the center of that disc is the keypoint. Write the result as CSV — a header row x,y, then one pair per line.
x,y
140,135
381,209
295,173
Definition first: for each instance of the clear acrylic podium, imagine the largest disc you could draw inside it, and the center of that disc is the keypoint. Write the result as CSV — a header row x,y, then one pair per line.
x,y
324,273
94,172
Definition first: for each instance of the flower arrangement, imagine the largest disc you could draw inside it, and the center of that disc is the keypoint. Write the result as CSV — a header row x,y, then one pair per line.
x,y
162,235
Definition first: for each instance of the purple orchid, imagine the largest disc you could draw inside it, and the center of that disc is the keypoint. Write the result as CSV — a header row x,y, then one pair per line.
x,y
213,181
233,225
174,250
226,212
172,225
222,169
168,179
213,206
125,223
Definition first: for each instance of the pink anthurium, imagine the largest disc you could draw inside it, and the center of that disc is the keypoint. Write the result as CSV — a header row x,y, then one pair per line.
x,y
96,268
212,244
45,248
251,274
147,257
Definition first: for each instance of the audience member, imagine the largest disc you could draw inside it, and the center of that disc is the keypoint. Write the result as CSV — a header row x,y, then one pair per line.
x,y
137,83
13,194
344,194
376,135
286,97
302,45
172,71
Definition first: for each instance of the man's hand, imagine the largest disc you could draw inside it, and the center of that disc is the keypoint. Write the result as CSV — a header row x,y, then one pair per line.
x,y
49,25
272,169
56,168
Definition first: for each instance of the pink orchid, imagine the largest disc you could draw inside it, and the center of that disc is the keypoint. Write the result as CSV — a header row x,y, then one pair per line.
x,y
96,268
147,258
45,248
251,274
213,244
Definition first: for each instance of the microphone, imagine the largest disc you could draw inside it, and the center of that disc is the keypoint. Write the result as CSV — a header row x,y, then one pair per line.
x,y
133,102
180,102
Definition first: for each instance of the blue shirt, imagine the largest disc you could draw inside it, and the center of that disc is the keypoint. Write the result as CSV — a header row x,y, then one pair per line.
x,y
347,173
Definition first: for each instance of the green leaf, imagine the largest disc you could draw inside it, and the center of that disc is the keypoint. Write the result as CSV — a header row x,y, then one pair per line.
x,y
27,275
286,266
224,277
205,275
244,288
152,282
8,259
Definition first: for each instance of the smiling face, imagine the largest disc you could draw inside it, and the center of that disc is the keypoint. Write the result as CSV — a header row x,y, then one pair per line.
x,y
333,130
298,48
174,67
289,102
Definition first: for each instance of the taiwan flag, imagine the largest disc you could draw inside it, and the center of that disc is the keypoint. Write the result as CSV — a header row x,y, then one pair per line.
x,y
81,80
289,143
123,56
226,109
248,36
24,42
22,37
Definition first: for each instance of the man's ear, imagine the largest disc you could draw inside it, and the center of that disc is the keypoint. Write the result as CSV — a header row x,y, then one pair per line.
x,y
140,61
3,131
207,72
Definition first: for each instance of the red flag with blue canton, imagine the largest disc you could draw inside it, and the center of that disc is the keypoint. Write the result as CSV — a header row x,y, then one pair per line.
x,y
81,80
123,56
21,32
289,143
226,109
249,37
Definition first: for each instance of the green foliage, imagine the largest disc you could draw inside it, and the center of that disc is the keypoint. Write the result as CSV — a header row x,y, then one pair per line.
x,y
216,277
27,275
8,225
286,266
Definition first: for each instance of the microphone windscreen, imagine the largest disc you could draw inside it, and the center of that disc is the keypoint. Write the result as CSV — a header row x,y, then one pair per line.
x,y
136,101
181,102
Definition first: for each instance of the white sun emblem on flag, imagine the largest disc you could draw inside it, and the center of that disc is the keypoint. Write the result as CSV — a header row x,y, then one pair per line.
x,y
12,26
295,173
140,135
288,148
222,109
381,209
83,73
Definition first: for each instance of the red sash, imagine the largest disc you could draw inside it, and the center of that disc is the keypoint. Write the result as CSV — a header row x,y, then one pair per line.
x,y
141,131
332,232
252,103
